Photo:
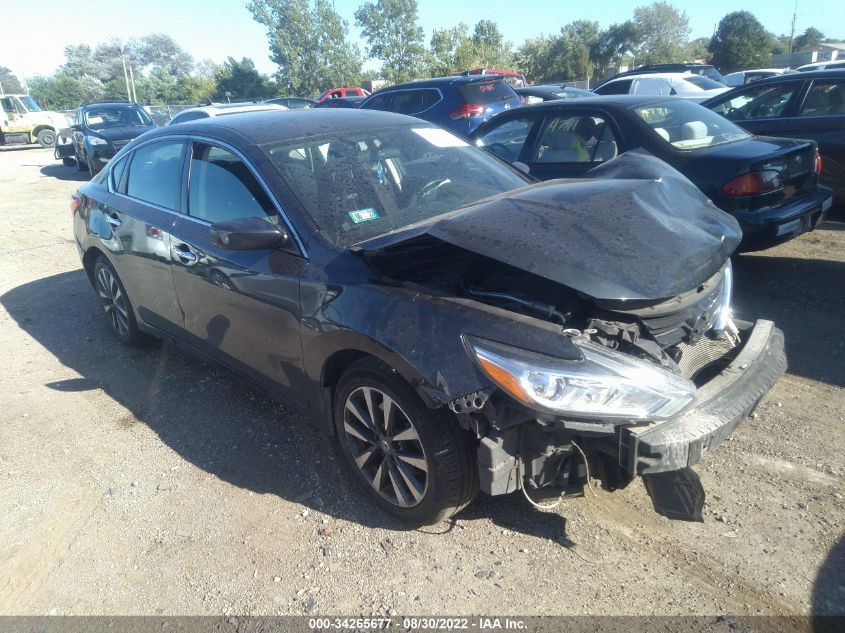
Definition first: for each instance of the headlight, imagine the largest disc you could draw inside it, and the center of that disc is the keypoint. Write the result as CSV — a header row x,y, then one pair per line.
x,y
96,140
602,385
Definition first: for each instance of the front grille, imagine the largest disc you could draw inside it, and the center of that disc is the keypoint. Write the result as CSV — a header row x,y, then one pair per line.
x,y
705,351
687,317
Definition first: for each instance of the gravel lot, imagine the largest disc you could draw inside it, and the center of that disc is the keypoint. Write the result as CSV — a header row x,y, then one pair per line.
x,y
145,482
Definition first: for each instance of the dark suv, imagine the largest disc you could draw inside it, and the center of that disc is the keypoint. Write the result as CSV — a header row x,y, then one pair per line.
x,y
459,104
101,129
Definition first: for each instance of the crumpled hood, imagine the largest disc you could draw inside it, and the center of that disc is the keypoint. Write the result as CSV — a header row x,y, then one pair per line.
x,y
633,228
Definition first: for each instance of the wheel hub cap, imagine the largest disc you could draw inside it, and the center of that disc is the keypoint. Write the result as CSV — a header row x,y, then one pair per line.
x,y
385,446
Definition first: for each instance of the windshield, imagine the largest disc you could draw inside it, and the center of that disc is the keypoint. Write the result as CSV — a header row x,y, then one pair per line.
x,y
30,104
687,125
485,92
103,118
705,83
360,184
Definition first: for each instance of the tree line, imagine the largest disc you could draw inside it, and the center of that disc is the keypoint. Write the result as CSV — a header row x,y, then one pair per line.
x,y
310,44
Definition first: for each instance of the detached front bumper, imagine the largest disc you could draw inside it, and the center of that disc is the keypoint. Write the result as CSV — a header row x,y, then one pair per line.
x,y
720,406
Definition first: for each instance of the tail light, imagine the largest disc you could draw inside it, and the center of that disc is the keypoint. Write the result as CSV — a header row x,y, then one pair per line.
x,y
817,165
754,183
75,202
466,111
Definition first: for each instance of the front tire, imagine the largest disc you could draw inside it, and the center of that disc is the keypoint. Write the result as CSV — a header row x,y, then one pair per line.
x,y
47,138
80,166
414,462
116,303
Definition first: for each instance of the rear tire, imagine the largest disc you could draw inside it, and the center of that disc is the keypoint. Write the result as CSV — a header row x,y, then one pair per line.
x,y
47,138
418,465
116,303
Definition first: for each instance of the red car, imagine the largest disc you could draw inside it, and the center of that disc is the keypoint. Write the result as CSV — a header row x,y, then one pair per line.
x,y
334,93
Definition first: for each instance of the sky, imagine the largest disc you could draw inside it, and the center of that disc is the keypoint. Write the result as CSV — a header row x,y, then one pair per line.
x,y
216,29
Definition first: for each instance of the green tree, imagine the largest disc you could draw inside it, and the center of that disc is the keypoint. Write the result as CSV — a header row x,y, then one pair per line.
x,y
740,42
490,48
665,34
9,81
810,38
309,42
241,80
79,60
59,92
393,36
451,50
160,51
555,58
612,45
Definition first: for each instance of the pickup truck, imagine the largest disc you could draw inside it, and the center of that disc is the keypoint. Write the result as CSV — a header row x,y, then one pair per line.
x,y
23,120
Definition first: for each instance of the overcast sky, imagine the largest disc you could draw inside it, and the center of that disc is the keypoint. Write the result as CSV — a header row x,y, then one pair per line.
x,y
36,31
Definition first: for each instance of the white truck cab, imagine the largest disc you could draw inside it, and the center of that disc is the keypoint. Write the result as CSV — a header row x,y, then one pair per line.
x,y
22,118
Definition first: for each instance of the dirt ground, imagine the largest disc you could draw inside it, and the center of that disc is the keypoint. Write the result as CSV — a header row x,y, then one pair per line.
x,y
145,482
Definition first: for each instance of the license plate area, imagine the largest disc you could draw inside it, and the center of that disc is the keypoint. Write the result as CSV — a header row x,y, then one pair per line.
x,y
790,227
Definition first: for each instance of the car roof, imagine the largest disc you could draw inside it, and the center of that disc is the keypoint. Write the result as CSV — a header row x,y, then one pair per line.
x,y
233,108
112,104
272,126
837,62
809,74
437,82
614,101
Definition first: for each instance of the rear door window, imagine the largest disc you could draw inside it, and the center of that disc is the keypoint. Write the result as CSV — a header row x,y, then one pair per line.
x,y
414,101
825,98
484,92
380,101
620,87
507,140
221,187
575,139
759,102
155,174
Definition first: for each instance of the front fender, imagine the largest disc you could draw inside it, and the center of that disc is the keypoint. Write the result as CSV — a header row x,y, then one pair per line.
x,y
417,334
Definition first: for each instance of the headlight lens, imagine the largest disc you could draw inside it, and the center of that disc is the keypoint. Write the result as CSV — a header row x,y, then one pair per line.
x,y
96,140
602,385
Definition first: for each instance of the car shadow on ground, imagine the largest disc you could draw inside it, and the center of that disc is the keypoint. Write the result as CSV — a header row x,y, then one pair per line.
x,y
828,597
213,420
65,172
805,298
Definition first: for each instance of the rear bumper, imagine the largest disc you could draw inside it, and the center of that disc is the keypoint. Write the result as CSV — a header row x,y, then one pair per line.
x,y
772,225
720,406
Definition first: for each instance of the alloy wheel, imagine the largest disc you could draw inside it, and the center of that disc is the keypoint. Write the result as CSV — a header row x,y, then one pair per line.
x,y
113,300
385,446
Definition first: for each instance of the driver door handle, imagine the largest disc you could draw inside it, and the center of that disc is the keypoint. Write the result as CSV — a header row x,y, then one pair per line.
x,y
114,220
185,254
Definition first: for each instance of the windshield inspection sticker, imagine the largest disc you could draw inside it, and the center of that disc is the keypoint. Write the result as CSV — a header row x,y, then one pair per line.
x,y
363,215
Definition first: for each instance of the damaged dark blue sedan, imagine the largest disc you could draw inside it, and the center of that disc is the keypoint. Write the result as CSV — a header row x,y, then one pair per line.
x,y
454,326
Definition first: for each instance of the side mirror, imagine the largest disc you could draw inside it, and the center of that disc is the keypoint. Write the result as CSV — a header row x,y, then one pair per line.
x,y
248,234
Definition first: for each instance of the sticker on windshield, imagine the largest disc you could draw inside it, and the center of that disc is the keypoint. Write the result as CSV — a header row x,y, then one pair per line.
x,y
439,138
363,215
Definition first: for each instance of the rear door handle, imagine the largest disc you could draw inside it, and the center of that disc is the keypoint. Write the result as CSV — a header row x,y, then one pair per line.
x,y
114,220
185,254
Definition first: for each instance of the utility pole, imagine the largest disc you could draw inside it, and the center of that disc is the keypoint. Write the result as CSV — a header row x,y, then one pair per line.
x,y
125,74
132,82
792,32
